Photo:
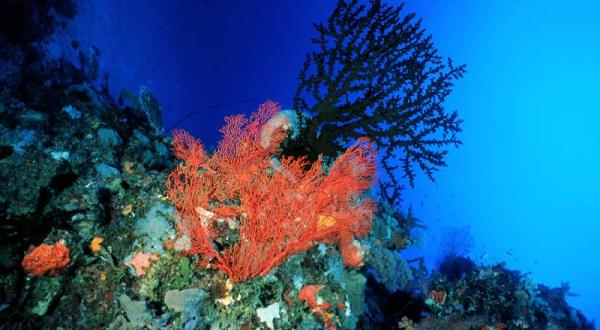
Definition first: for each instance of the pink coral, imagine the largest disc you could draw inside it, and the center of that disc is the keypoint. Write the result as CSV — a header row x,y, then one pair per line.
x,y
141,261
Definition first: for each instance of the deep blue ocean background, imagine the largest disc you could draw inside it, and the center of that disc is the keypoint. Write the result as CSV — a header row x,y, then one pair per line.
x,y
525,184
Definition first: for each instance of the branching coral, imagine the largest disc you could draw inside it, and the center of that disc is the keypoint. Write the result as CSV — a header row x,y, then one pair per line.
x,y
377,74
245,213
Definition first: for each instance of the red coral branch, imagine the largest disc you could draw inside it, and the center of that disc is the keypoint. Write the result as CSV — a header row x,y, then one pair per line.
x,y
275,210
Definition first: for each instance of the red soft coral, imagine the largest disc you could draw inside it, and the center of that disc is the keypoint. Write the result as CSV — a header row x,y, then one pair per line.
x,y
277,209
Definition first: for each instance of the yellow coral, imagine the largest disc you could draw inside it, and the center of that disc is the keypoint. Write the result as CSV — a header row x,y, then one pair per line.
x,y
227,299
128,167
127,210
95,245
325,222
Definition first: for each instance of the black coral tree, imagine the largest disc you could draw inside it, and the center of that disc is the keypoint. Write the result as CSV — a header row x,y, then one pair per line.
x,y
376,73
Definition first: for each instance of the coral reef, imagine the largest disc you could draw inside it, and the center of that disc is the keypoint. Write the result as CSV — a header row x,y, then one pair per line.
x,y
493,296
81,160
94,239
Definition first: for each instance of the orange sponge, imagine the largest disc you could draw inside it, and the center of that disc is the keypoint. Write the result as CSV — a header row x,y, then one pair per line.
x,y
46,259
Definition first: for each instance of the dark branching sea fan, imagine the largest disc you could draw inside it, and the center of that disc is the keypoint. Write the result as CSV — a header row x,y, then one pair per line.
x,y
375,72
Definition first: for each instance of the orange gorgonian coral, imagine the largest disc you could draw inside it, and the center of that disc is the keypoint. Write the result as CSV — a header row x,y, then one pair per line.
x,y
46,259
245,212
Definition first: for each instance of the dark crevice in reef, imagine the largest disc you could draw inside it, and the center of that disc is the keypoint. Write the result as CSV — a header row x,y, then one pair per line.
x,y
33,230
6,151
57,184
105,211
62,181
125,185
44,197
386,309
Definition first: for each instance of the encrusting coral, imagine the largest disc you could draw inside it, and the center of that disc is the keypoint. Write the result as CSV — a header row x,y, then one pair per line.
x,y
95,245
141,261
245,212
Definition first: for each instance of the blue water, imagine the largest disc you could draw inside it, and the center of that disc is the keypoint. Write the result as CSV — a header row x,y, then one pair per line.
x,y
526,180
524,184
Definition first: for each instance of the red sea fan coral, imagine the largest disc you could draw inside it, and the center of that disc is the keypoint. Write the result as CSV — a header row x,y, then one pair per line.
x,y
274,208
46,259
